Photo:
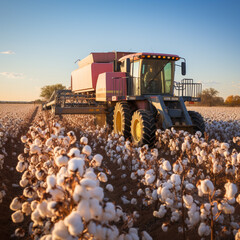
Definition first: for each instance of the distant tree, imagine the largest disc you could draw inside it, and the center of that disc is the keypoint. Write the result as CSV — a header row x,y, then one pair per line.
x,y
38,101
209,97
229,100
47,91
236,100
233,100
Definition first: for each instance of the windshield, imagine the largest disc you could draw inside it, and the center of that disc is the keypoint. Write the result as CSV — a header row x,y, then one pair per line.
x,y
156,76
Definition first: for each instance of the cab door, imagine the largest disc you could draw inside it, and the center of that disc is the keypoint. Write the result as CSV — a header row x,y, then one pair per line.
x,y
134,72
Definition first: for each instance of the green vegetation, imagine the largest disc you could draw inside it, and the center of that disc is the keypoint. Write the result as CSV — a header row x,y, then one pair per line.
x,y
48,90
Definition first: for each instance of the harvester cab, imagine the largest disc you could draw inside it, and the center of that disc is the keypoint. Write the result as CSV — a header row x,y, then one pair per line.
x,y
150,74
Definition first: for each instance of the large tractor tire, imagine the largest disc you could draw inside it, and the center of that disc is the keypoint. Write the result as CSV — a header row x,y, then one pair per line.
x,y
143,128
122,119
110,118
197,121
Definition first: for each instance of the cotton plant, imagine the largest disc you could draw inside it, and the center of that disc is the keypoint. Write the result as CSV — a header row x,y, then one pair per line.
x,y
65,199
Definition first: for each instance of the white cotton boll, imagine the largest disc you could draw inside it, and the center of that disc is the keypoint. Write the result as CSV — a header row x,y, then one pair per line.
x,y
102,177
83,209
109,212
133,176
140,172
238,199
74,223
57,194
134,201
60,179
164,227
61,160
125,200
88,183
90,174
237,236
146,236
161,212
169,202
175,179
36,217
19,232
40,174
140,192
203,230
29,192
97,193
207,186
224,146
166,166
124,175
43,209
76,164
74,152
84,141
51,181
189,186
21,166
165,193
17,217
92,227
188,200
95,209
34,149
97,160
109,187
26,208
177,168
155,195
87,150
60,231
175,216
23,139
194,216
16,204
20,157
231,190
34,204
80,192
227,208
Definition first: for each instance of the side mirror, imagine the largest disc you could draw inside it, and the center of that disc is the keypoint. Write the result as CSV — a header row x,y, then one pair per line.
x,y
127,65
183,65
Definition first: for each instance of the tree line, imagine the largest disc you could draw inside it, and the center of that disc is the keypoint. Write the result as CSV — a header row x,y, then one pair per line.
x,y
209,97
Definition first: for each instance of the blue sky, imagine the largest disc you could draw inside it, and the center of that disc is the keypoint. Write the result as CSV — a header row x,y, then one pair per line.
x,y
41,40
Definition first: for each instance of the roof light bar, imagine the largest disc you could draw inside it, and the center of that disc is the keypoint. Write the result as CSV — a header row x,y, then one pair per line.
x,y
158,57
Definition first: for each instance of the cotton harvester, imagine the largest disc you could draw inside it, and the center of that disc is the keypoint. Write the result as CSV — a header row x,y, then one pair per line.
x,y
135,93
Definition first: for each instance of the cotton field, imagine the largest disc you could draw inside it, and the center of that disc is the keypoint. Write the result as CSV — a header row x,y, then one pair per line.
x,y
13,117
80,181
222,123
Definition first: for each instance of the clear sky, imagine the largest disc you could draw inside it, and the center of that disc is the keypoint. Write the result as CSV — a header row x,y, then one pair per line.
x,y
41,40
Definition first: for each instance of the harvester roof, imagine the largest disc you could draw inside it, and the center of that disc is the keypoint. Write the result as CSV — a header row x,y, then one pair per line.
x,y
145,55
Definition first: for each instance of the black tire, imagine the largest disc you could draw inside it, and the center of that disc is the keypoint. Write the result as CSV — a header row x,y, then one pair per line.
x,y
122,119
110,118
197,121
143,128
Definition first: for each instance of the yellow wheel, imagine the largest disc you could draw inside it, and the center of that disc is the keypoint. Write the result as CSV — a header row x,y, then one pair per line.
x,y
122,119
143,128
137,130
